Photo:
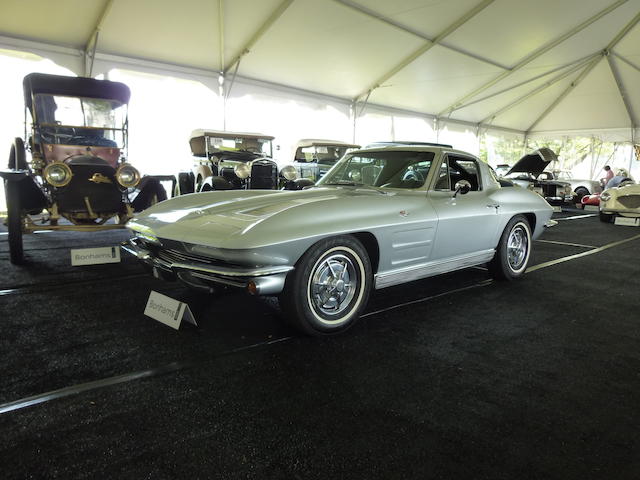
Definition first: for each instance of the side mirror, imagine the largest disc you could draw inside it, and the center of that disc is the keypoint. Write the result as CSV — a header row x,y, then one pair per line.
x,y
462,187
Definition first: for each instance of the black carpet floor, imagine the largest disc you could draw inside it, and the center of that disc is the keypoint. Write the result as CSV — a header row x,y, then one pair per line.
x,y
449,377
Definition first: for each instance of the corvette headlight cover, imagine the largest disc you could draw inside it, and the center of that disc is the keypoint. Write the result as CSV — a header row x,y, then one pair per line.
x,y
289,172
127,175
605,197
58,174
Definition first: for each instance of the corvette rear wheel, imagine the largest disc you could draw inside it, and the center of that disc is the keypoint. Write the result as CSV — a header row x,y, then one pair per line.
x,y
329,287
513,251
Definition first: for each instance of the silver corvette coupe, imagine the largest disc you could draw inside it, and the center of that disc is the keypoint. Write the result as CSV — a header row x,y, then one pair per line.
x,y
380,217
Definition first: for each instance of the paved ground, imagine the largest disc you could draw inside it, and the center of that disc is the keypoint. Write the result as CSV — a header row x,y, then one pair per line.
x,y
450,377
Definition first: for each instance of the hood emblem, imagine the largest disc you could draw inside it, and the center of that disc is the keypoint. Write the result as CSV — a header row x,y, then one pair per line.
x,y
100,178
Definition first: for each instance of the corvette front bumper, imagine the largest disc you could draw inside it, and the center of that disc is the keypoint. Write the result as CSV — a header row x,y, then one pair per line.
x,y
263,280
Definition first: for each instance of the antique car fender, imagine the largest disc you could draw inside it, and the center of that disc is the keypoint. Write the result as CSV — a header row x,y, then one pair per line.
x,y
215,183
298,184
14,175
202,172
32,199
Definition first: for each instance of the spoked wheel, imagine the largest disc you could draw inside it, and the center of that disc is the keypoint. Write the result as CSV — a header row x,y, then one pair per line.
x,y
14,221
512,255
329,287
17,160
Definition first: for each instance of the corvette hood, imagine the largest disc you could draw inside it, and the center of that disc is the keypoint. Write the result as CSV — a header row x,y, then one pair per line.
x,y
248,218
534,163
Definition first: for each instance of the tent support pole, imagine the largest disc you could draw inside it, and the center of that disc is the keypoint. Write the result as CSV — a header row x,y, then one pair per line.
x,y
537,90
529,58
622,91
277,13
631,64
92,42
566,92
426,47
370,13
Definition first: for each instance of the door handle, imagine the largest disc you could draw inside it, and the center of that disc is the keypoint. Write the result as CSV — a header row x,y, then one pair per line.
x,y
493,205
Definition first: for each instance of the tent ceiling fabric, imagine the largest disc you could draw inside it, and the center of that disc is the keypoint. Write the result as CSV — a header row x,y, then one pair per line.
x,y
531,66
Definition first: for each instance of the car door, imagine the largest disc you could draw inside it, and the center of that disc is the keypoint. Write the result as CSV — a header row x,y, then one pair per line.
x,y
467,223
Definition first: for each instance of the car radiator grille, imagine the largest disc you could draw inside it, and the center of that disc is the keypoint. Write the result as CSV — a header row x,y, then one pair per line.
x,y
630,201
104,198
264,175
549,190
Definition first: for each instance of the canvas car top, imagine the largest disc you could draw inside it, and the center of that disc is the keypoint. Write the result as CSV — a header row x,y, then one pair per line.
x,y
314,142
204,141
228,135
534,163
35,83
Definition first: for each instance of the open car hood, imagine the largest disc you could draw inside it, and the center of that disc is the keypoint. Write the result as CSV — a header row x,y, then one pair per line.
x,y
534,163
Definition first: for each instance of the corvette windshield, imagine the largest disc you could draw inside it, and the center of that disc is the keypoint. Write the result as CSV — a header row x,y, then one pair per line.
x,y
390,169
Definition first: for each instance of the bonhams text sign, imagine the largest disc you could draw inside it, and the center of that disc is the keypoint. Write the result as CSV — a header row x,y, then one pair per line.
x,y
629,222
168,310
94,256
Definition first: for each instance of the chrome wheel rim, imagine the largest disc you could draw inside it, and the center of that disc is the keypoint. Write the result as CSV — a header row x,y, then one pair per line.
x,y
333,284
517,247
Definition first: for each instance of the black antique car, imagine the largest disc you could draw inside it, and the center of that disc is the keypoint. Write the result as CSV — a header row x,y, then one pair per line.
x,y
77,176
235,161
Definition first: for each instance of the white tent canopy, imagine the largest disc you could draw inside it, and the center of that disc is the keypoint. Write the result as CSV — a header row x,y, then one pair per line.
x,y
518,65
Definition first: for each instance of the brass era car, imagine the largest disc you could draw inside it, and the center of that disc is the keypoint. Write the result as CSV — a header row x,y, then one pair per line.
x,y
77,177
380,217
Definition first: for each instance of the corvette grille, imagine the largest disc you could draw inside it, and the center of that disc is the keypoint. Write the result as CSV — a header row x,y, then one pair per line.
x,y
630,201
174,252
174,256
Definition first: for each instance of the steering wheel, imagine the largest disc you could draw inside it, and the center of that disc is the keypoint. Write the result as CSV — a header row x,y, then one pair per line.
x,y
413,175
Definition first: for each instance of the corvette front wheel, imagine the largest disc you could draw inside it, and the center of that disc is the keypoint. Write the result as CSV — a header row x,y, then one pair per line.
x,y
329,287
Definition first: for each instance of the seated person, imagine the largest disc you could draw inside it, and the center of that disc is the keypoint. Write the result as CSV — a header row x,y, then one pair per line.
x,y
617,180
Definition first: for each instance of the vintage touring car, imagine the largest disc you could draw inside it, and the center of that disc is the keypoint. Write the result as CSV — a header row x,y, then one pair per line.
x,y
77,176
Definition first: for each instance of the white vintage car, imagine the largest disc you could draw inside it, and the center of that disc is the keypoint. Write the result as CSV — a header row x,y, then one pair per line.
x,y
623,200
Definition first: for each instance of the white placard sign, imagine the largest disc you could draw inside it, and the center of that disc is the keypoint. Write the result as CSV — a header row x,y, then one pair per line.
x,y
591,208
168,310
94,256
629,222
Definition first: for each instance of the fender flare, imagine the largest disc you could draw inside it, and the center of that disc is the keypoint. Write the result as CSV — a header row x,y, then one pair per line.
x,y
215,183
